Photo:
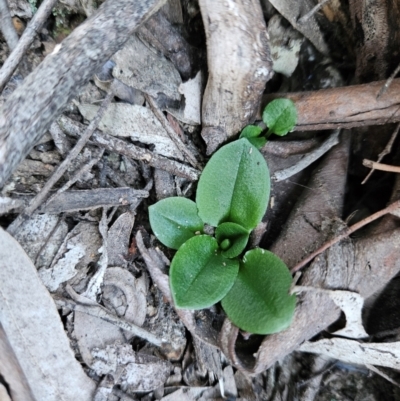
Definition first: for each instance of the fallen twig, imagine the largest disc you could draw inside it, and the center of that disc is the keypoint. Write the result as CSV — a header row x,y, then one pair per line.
x,y
7,27
93,309
350,230
122,147
85,168
388,82
308,158
92,199
94,286
314,10
381,166
26,40
386,151
172,134
62,168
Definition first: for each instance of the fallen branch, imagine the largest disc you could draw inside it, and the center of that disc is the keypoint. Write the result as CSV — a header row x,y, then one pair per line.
x,y
34,105
62,168
381,166
345,107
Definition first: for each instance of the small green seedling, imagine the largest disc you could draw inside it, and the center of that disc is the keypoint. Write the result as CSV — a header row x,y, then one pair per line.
x,y
232,196
280,116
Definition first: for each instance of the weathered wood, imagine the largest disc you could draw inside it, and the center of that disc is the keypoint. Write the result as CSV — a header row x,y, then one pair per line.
x,y
239,66
345,107
31,109
91,199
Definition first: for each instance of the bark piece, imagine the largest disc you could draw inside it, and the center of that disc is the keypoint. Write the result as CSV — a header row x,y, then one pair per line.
x,y
80,247
142,68
239,66
35,331
355,352
34,234
34,105
118,239
91,199
344,107
166,38
134,372
192,91
136,122
186,394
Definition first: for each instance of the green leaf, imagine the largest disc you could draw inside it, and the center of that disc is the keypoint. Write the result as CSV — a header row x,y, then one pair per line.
x,y
200,276
258,142
237,238
250,131
234,186
259,301
175,220
280,116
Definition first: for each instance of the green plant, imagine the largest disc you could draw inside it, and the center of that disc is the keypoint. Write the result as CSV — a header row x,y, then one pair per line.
x,y
232,196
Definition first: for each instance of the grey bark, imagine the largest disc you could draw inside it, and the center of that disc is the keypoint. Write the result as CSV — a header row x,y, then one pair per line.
x,y
31,109
239,66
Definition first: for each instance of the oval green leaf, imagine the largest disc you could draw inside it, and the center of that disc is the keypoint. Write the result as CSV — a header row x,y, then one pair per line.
x,y
175,220
259,301
199,275
280,116
250,131
237,237
234,186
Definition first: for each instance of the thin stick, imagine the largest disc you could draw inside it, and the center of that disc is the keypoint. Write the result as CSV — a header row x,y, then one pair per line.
x,y
25,41
122,147
307,16
62,168
79,303
386,151
350,230
311,157
171,133
381,166
382,374
385,87
7,27
77,175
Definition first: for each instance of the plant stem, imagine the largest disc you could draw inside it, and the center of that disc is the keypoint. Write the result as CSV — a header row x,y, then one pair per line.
x,y
268,134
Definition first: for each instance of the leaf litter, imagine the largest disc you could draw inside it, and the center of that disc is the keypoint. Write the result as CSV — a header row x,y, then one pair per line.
x,y
66,247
